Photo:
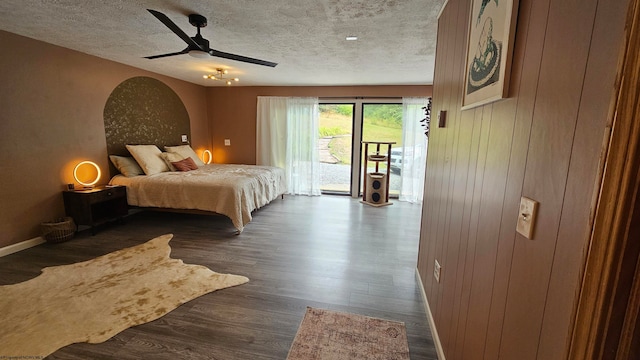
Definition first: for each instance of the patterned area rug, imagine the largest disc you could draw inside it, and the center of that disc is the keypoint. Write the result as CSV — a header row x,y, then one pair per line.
x,y
326,334
94,300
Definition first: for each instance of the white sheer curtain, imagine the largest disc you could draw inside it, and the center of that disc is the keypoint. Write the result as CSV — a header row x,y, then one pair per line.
x,y
287,137
303,161
414,150
271,131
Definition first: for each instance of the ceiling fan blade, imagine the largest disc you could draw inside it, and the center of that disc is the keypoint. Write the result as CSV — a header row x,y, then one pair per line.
x,y
170,54
171,25
241,58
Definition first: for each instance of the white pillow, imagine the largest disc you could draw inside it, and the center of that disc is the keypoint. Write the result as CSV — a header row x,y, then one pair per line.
x,y
148,157
169,157
126,165
185,151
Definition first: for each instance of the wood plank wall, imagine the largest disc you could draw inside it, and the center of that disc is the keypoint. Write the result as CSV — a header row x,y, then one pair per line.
x,y
501,295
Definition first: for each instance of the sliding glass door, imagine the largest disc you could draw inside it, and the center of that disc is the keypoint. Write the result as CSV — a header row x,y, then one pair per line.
x,y
335,146
343,125
383,122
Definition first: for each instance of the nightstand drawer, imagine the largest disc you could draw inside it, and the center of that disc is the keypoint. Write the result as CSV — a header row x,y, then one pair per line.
x,y
108,194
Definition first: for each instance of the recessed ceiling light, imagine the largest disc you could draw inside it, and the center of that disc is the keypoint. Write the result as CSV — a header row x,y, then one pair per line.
x,y
351,38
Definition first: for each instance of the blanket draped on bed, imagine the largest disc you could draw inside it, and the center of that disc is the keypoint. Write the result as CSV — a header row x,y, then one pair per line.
x,y
231,190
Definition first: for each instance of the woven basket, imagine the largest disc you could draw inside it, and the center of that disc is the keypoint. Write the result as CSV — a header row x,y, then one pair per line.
x,y
58,230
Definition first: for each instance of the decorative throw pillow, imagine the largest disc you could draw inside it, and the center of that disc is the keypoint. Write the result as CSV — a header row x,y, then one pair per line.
x,y
170,158
185,151
126,165
185,164
148,157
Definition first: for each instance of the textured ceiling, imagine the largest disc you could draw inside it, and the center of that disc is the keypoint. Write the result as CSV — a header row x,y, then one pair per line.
x,y
395,46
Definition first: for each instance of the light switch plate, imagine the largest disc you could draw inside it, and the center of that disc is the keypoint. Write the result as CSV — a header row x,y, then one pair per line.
x,y
227,142
184,138
527,217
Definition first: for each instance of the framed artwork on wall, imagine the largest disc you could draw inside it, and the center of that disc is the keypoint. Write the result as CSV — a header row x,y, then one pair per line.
x,y
490,45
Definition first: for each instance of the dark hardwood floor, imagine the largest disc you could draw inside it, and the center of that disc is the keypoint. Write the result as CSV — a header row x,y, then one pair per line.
x,y
328,252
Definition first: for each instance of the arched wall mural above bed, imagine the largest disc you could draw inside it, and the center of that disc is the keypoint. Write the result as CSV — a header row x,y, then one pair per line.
x,y
143,111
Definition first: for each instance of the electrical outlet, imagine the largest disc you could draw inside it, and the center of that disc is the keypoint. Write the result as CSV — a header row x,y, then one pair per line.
x,y
436,270
184,138
227,142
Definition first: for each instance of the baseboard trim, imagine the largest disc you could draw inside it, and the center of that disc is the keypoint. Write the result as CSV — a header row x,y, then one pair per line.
x,y
14,248
432,323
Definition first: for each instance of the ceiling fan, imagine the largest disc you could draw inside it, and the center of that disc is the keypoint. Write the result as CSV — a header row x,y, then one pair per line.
x,y
198,46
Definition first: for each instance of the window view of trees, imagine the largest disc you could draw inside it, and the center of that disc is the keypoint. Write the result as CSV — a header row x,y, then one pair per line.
x,y
382,122
389,115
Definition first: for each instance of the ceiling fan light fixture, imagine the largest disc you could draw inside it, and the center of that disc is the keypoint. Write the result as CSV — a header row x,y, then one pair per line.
x,y
199,54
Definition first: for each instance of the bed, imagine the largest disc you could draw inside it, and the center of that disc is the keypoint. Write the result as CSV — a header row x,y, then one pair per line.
x,y
231,190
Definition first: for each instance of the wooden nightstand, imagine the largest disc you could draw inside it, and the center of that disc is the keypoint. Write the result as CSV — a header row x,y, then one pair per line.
x,y
96,206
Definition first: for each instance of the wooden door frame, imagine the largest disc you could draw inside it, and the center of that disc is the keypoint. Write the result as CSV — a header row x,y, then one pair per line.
x,y
607,321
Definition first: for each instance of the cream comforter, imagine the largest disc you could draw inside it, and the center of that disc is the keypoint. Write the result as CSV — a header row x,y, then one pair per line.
x,y
231,190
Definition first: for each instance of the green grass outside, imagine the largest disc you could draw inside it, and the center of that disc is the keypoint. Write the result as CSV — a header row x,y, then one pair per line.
x,y
335,124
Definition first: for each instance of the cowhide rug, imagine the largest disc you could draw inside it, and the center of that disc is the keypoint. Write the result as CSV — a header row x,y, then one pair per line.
x,y
94,300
